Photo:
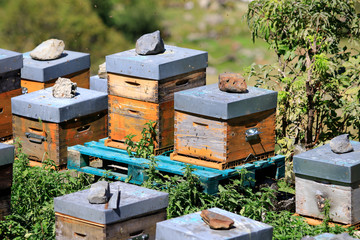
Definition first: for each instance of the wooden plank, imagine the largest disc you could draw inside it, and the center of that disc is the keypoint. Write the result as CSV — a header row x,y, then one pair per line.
x,y
6,173
57,137
5,203
68,227
5,112
128,116
81,78
344,200
153,90
315,222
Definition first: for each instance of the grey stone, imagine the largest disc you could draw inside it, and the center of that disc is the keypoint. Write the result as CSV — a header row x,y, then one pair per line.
x,y
341,144
114,201
99,193
64,88
150,44
308,238
48,50
232,82
342,236
102,71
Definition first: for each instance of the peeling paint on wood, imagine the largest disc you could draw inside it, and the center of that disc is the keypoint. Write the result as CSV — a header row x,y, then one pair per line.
x,y
5,112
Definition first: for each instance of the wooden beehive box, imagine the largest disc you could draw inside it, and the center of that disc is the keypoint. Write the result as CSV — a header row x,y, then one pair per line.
x,y
141,88
321,174
192,227
46,126
223,130
6,169
37,74
139,211
10,65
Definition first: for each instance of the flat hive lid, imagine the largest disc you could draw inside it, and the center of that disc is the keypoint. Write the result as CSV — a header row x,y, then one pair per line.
x,y
134,201
43,71
174,61
10,61
193,227
322,163
42,105
6,154
210,101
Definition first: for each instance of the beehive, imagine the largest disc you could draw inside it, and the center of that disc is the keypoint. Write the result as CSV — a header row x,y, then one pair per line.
x,y
223,130
192,227
6,169
46,126
37,74
98,84
141,88
10,65
321,174
139,211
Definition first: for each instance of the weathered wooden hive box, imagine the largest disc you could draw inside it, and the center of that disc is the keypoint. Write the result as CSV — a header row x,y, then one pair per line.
x,y
193,227
37,74
222,130
139,211
6,169
98,84
321,174
141,88
46,126
10,65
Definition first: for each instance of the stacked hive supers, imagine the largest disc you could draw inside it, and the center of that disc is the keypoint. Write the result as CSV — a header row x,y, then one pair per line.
x,y
37,75
222,130
141,88
46,125
6,169
10,65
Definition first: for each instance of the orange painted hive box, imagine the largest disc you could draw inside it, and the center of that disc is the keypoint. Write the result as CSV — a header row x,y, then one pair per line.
x,y
141,88
223,130
46,126
10,65
37,74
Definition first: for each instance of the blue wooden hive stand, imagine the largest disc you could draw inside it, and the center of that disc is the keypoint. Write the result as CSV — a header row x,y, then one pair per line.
x,y
95,158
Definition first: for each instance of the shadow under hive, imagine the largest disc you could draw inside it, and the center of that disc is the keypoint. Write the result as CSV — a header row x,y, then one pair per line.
x,y
10,65
46,125
222,130
141,88
321,175
138,212
37,74
6,171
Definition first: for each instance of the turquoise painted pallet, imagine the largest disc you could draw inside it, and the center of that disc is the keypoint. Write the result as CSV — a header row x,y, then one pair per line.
x,y
118,165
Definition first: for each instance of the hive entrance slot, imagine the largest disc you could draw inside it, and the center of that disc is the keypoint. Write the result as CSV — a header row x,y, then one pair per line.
x,y
182,82
83,129
135,84
82,235
1,110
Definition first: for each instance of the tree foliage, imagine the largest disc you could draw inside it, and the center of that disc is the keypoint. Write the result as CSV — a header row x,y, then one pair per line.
x,y
315,73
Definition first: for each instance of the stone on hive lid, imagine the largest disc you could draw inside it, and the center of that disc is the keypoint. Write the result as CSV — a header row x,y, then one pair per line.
x,y
174,61
210,101
10,61
341,144
150,44
102,71
42,105
64,88
192,227
99,193
215,220
48,50
42,71
323,163
232,82
135,201
6,154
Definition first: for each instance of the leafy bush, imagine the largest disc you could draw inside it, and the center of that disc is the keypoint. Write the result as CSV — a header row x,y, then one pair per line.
x,y
32,198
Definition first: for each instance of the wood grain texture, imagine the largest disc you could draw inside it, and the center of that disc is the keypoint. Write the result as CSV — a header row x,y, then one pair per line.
x,y
58,136
6,176
153,90
344,200
5,112
68,227
223,141
81,78
128,116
